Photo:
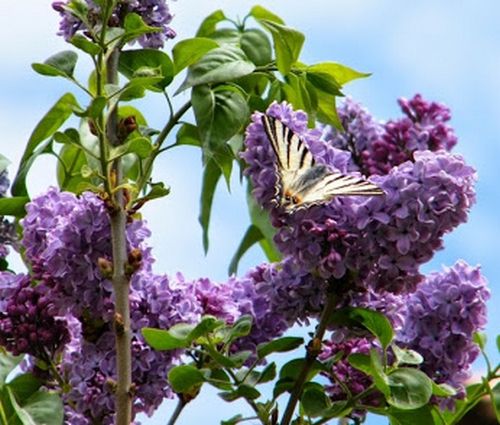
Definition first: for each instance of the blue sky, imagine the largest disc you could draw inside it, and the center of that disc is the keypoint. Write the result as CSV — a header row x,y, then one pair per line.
x,y
447,50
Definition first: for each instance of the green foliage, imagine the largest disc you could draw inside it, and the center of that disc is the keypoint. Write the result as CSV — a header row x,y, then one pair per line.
x,y
49,124
22,401
60,65
140,63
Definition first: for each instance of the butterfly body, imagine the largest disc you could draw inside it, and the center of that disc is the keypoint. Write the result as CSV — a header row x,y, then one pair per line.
x,y
300,181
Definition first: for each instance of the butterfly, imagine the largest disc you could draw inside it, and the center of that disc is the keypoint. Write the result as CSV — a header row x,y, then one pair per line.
x,y
300,182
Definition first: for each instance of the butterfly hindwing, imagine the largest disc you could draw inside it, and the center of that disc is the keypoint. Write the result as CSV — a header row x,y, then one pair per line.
x,y
300,182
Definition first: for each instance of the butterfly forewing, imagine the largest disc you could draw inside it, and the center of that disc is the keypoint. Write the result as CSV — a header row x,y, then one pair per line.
x,y
300,182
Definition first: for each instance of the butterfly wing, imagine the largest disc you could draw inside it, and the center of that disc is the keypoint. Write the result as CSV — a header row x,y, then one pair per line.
x,y
301,182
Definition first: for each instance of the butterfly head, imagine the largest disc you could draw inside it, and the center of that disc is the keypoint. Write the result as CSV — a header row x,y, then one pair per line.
x,y
290,201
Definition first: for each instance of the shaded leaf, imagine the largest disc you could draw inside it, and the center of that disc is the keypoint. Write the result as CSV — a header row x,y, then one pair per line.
x,y
337,72
422,416
256,46
147,63
219,65
61,64
7,364
14,206
280,345
185,379
250,238
211,176
409,389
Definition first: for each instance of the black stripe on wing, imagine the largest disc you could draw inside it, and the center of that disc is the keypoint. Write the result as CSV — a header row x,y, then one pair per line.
x,y
337,184
291,152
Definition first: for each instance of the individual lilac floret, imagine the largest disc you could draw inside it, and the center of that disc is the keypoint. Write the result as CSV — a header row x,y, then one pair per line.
x,y
28,322
376,147
155,13
442,316
64,236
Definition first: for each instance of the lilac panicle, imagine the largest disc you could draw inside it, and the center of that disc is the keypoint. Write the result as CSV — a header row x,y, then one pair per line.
x,y
377,147
382,239
28,322
155,13
441,318
64,236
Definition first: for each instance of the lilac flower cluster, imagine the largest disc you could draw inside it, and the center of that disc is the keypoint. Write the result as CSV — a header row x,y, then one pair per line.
x,y
28,322
64,236
155,13
377,147
442,315
383,239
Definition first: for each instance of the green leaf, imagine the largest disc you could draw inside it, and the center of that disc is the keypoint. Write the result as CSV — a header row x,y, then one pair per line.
x,y
361,362
61,64
409,389
498,343
337,72
42,408
209,24
480,339
371,320
324,82
48,125
287,44
7,364
256,46
260,218
84,44
162,340
182,330
219,379
135,27
240,328
240,358
378,374
207,325
211,176
220,114
407,356
188,134
185,379
283,385
243,391
24,386
157,190
232,421
72,161
189,51
314,402
227,37
443,390
260,13
293,368
421,415
142,63
13,206
327,111
250,238
219,65
268,374
140,146
280,345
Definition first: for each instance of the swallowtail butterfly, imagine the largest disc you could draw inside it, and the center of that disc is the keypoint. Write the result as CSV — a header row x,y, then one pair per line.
x,y
300,181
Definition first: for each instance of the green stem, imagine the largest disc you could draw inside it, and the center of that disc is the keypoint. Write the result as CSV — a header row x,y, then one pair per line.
x,y
172,122
178,410
313,350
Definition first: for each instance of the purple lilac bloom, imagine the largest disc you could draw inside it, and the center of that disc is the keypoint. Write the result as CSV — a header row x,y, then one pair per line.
x,y
442,316
28,322
385,238
64,236
155,13
342,371
377,147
